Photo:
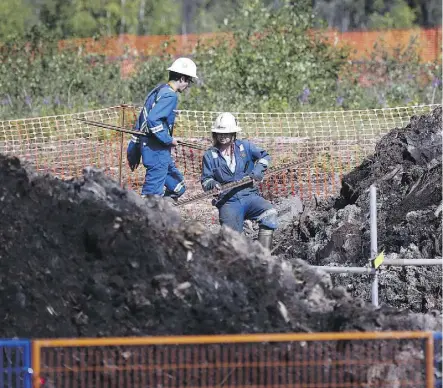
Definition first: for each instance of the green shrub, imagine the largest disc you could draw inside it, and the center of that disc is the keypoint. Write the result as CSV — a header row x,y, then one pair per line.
x,y
274,63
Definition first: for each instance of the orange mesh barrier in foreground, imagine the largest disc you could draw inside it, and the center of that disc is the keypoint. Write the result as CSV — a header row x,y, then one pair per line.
x,y
314,360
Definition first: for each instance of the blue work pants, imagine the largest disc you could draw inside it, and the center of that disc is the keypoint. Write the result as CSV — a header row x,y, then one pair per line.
x,y
162,176
249,207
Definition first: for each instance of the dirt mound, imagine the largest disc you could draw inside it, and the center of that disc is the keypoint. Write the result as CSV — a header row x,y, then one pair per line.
x,y
87,258
406,169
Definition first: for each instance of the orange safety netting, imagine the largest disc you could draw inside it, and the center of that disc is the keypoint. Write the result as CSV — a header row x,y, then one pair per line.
x,y
361,42
336,141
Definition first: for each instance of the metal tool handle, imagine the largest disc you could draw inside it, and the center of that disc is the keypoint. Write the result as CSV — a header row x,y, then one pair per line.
x,y
137,133
242,182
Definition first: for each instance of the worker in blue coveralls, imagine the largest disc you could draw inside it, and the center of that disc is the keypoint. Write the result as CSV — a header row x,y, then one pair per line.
x,y
156,124
230,160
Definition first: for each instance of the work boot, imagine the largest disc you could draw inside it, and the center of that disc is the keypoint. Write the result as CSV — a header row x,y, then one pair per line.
x,y
265,237
171,200
150,198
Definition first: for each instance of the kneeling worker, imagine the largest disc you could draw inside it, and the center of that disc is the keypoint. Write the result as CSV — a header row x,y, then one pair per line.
x,y
230,160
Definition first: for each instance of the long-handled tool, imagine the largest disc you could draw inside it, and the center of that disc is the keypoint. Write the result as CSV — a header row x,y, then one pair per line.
x,y
243,182
125,130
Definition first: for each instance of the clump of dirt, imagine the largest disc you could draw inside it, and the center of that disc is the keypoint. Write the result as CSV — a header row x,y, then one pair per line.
x,y
407,171
88,258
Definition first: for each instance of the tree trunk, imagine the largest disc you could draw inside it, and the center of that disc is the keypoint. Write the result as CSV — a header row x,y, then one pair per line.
x,y
108,22
122,20
141,18
187,15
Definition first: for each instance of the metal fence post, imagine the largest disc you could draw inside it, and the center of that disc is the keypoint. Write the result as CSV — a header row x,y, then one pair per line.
x,y
120,167
438,359
27,364
374,247
36,363
429,361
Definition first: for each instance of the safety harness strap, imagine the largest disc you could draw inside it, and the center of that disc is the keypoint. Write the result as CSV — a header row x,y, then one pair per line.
x,y
144,126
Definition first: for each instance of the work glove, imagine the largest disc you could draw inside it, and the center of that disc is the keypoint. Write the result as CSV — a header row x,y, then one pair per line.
x,y
258,172
212,184
133,154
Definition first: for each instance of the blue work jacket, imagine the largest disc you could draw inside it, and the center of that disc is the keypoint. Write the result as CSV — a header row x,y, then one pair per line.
x,y
157,117
215,168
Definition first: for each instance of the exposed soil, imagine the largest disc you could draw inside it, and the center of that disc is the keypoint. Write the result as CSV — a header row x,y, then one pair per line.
x,y
407,171
87,258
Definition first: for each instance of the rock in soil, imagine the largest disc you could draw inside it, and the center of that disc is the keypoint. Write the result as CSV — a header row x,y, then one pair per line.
x,y
406,169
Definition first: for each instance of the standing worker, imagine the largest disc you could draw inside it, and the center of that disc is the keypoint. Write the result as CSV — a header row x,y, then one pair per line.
x,y
230,160
156,124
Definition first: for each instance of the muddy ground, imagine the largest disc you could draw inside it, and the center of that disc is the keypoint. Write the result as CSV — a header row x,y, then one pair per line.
x,y
87,258
407,171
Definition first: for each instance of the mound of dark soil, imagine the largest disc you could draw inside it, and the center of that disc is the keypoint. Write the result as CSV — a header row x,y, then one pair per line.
x,y
87,258
407,171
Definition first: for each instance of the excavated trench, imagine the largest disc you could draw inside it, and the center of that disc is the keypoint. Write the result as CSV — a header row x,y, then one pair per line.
x,y
406,169
86,258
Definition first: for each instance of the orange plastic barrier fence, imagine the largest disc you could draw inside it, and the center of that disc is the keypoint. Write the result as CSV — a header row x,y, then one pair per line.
x,y
142,44
362,42
337,141
313,360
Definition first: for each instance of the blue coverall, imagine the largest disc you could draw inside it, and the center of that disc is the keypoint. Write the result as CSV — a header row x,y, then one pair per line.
x,y
156,122
242,203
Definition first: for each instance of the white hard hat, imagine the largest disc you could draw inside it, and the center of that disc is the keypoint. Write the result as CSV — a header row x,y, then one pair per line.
x,y
184,66
225,123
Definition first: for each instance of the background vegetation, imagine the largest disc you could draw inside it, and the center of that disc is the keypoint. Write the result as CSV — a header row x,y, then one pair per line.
x,y
85,18
275,64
